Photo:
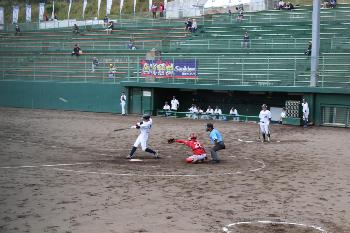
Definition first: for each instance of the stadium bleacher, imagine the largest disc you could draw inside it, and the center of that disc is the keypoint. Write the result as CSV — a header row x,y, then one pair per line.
x,y
274,56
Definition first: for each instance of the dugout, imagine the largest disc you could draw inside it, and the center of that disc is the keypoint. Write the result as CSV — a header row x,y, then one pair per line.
x,y
330,107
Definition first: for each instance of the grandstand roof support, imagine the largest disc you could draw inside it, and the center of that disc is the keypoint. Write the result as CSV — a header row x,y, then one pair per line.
x,y
315,42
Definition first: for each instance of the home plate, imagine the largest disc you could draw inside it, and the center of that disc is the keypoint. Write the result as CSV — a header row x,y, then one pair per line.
x,y
135,160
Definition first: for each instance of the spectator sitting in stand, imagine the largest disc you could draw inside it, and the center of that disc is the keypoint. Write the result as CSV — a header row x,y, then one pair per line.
x,y
161,10
290,6
94,64
188,24
154,10
240,15
55,18
105,21
281,5
76,29
112,71
110,28
308,50
332,3
229,12
166,108
131,45
17,30
194,26
245,43
76,50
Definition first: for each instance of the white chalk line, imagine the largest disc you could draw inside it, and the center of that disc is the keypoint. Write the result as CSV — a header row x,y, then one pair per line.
x,y
45,165
263,165
226,228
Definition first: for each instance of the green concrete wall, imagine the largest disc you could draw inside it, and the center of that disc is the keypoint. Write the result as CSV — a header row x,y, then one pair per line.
x,y
65,96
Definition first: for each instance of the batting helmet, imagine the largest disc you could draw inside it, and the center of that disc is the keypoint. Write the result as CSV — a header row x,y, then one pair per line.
x,y
146,116
263,106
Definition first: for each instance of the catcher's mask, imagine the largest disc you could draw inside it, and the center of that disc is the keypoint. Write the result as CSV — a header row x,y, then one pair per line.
x,y
192,136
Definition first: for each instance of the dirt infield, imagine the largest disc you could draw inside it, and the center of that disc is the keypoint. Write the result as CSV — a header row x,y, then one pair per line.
x,y
67,172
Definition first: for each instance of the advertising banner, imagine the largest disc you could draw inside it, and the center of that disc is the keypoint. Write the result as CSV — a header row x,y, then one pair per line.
x,y
15,12
178,68
69,7
53,10
41,11
2,19
84,7
28,13
98,8
121,6
108,7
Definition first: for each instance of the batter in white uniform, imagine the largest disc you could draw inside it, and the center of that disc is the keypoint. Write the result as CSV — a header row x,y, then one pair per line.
x,y
145,128
265,117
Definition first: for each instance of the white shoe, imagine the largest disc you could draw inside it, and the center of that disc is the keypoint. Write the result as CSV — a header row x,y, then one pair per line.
x,y
156,156
129,157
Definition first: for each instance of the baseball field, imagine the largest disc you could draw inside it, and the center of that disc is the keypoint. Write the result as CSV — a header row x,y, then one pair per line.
x,y
65,171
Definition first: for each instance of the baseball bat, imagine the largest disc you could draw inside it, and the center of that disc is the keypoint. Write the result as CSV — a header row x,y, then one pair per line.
x,y
120,129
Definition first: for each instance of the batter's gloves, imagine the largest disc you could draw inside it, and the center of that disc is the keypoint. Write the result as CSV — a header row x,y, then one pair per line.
x,y
171,140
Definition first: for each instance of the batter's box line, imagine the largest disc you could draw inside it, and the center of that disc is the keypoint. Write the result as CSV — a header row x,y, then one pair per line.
x,y
226,228
263,165
45,165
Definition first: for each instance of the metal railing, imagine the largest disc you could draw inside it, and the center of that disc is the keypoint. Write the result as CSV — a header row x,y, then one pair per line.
x,y
224,70
206,116
333,115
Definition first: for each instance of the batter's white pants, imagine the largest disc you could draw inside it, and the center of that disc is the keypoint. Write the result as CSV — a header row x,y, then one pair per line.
x,y
141,139
122,104
195,158
264,128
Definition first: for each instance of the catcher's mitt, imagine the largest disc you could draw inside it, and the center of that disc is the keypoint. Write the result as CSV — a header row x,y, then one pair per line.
x,y
171,140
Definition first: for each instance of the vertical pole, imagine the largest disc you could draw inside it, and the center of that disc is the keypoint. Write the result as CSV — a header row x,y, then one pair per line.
x,y
295,70
242,70
218,70
315,42
323,71
138,68
85,69
268,71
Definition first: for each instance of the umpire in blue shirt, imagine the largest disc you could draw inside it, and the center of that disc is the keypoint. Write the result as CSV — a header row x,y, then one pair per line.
x,y
216,139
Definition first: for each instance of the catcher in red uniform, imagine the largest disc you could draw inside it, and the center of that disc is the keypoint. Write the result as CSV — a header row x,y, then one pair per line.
x,y
197,150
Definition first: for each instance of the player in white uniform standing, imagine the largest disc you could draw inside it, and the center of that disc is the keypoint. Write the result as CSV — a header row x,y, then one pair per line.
x,y
174,104
145,128
265,117
123,102
305,112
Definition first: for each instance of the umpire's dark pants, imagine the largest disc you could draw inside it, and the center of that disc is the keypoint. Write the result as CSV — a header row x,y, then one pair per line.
x,y
217,147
